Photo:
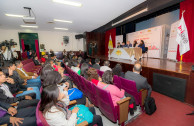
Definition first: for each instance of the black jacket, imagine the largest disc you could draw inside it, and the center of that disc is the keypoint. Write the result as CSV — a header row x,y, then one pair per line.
x,y
141,82
36,62
96,66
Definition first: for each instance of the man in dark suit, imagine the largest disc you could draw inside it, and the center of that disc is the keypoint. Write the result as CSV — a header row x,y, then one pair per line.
x,y
128,45
96,65
141,82
36,61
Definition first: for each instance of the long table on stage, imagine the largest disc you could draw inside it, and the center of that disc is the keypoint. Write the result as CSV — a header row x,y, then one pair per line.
x,y
160,66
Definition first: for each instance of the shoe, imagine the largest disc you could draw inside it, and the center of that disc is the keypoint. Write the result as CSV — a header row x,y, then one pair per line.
x,y
131,111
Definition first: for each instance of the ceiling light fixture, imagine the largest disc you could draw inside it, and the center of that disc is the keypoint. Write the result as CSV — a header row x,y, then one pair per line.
x,y
29,26
77,4
63,21
61,28
14,15
131,16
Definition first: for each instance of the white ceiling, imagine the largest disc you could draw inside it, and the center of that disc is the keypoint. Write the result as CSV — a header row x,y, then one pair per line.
x,y
92,14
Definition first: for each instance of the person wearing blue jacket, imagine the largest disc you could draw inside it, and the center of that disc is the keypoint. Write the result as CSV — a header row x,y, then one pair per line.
x,y
142,46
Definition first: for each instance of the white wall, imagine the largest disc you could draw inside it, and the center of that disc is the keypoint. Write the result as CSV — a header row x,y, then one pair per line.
x,y
51,39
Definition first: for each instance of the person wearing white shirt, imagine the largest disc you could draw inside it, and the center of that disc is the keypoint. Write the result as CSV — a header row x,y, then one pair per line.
x,y
106,66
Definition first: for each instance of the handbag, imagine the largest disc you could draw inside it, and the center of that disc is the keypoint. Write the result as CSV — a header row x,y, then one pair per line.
x,y
2,113
74,94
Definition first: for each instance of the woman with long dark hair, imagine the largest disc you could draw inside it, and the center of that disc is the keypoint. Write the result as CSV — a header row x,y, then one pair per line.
x,y
54,107
142,46
134,43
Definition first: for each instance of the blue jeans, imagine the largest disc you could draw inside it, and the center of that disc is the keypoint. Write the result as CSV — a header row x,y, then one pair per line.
x,y
35,90
33,82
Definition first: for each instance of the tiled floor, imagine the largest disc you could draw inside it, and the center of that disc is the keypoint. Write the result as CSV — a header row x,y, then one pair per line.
x,y
107,122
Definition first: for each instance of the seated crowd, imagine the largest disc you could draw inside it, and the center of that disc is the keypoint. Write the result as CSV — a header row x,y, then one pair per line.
x,y
21,91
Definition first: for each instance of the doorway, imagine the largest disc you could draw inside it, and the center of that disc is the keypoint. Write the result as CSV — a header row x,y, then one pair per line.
x,y
29,41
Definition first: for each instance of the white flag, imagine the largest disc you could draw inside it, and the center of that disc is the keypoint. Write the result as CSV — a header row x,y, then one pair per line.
x,y
182,37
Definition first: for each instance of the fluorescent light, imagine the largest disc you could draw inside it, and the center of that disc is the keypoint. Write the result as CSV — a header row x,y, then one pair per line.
x,y
28,26
61,28
133,15
62,21
14,15
68,3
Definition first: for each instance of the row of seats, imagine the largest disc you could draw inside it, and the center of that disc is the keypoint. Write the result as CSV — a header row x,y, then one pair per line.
x,y
130,87
29,66
101,98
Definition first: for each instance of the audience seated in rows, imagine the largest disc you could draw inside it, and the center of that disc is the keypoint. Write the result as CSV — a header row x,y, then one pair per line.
x,y
32,78
106,66
15,83
97,64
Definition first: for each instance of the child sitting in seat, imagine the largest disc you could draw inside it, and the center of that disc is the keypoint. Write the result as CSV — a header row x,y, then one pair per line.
x,y
76,68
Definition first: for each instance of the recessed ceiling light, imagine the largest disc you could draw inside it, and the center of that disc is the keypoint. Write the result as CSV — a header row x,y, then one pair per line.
x,y
62,21
72,3
28,26
61,28
14,15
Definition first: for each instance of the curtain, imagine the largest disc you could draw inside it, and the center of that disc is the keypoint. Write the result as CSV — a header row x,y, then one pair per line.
x,y
188,6
23,46
111,32
37,48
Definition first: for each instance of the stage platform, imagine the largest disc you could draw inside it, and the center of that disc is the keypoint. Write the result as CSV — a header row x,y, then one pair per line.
x,y
166,68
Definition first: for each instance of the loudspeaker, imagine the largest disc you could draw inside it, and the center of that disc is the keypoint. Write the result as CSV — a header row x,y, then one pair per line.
x,y
79,36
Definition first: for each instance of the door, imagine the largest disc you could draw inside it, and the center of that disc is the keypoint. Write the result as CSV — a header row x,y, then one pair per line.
x,y
29,41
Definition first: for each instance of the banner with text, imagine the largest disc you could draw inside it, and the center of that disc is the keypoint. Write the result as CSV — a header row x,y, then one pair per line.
x,y
172,46
152,37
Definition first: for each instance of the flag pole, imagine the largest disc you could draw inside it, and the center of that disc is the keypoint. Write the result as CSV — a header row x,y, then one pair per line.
x,y
181,60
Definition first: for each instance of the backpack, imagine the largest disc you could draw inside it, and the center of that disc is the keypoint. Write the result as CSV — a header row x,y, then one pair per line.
x,y
150,106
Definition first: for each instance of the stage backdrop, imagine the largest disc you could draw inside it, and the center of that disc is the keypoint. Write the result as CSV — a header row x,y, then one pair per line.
x,y
153,38
119,38
172,46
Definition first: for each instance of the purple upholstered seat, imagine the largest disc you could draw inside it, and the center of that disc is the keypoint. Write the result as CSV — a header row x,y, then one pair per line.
x,y
130,87
117,81
26,61
40,120
100,73
105,104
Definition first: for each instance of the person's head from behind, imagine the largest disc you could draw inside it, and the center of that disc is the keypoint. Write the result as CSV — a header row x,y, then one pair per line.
x,y
18,64
106,63
123,43
49,97
88,61
84,68
117,70
92,74
141,42
137,68
53,77
64,50
2,77
75,63
12,66
107,77
45,71
97,61
128,42
52,62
